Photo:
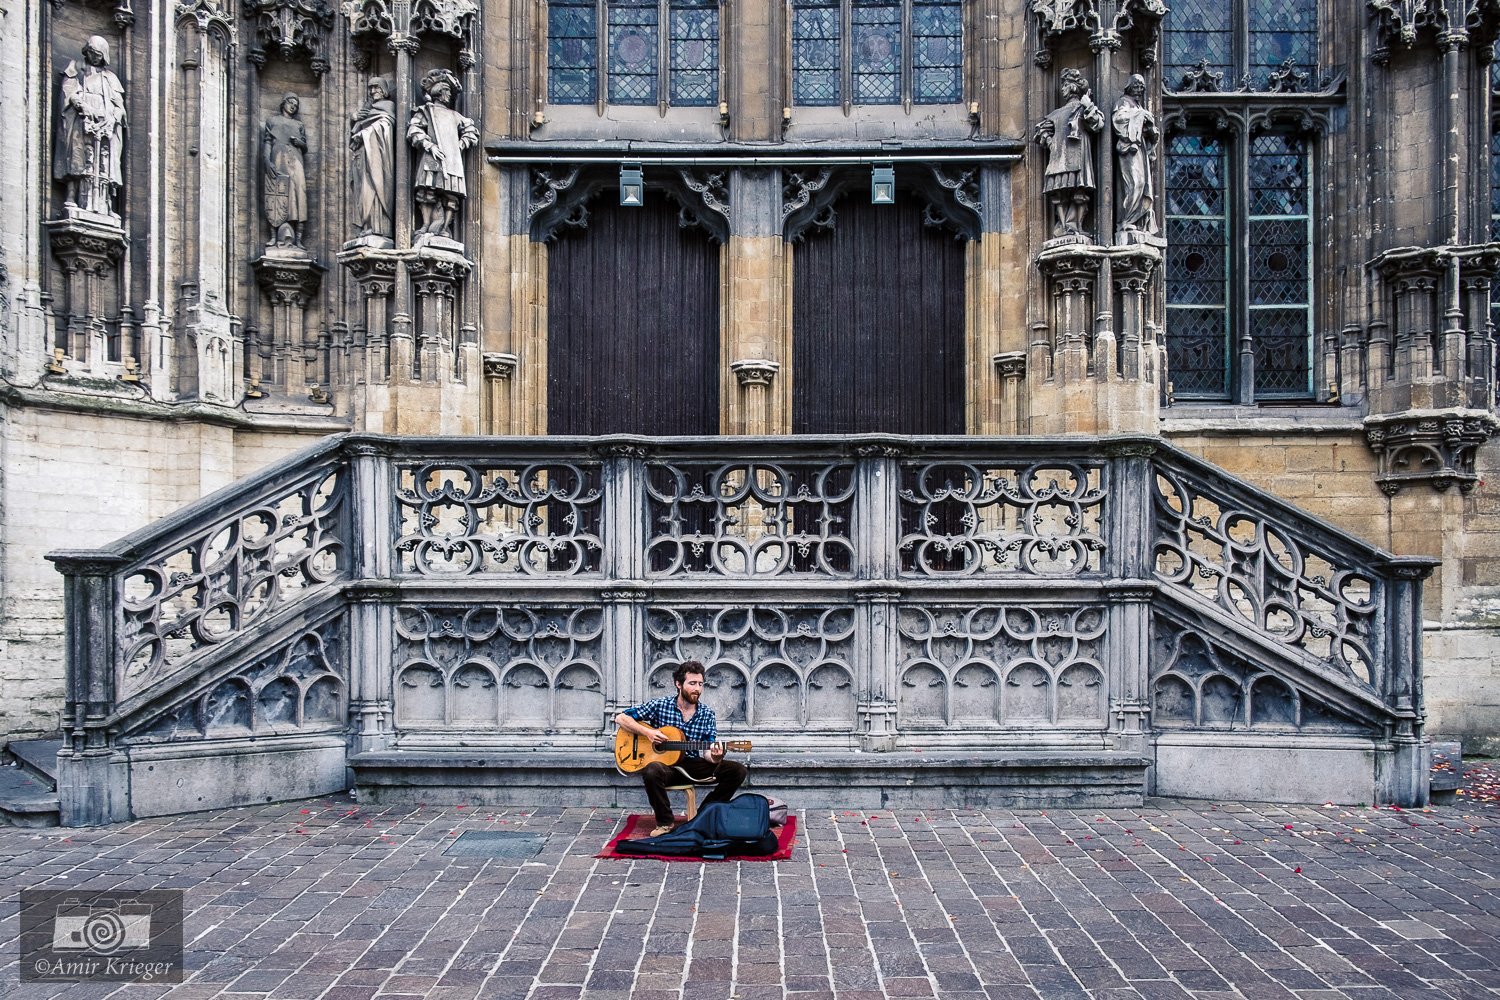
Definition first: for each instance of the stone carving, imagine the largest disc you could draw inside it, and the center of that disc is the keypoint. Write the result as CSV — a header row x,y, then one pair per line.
x,y
442,134
90,134
988,665
542,519
1202,79
971,519
286,26
296,689
750,520
373,139
283,146
1437,449
789,668
1067,133
1136,135
1290,582
490,667
222,577
1197,686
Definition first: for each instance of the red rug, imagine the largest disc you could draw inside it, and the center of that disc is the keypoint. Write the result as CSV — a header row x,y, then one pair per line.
x,y
637,827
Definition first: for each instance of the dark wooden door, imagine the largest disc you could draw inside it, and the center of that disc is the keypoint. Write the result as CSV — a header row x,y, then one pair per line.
x,y
633,324
878,324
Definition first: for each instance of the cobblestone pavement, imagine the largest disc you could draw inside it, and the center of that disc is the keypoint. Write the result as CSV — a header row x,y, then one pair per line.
x,y
1177,899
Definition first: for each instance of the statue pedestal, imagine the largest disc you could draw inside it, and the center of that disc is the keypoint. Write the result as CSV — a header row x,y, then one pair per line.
x,y
281,357
88,248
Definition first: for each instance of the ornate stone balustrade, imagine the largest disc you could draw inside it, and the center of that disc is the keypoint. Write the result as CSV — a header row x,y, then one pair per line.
x,y
860,594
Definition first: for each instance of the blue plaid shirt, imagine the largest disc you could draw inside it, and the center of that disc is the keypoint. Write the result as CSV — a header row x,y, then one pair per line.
x,y
658,712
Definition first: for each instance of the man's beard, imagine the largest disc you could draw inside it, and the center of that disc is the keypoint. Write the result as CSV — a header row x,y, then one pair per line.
x,y
691,697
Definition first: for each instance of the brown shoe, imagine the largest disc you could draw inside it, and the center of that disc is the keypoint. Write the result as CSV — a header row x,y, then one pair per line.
x,y
657,831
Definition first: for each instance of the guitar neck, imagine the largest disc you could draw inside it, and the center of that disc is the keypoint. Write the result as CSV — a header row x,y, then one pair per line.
x,y
676,745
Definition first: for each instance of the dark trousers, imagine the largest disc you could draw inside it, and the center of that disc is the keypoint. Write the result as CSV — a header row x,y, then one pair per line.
x,y
725,779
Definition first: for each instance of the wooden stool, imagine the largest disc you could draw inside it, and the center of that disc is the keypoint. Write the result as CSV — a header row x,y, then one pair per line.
x,y
692,796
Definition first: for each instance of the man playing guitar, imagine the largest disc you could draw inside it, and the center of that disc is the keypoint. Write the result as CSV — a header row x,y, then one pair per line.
x,y
699,725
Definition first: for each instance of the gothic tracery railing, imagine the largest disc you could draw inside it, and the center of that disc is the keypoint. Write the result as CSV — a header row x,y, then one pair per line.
x,y
861,592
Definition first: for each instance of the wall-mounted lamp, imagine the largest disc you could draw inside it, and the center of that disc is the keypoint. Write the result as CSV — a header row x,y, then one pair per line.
x,y
786,119
974,114
538,119
632,185
723,114
883,184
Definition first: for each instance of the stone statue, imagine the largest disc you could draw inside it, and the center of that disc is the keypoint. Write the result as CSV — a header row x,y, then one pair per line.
x,y
283,145
373,139
1067,134
442,135
1135,145
91,133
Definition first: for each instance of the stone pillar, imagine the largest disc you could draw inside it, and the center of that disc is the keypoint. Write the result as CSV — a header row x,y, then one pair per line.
x,y
1010,367
625,532
876,511
92,787
371,499
1403,779
437,276
755,377
1128,563
756,341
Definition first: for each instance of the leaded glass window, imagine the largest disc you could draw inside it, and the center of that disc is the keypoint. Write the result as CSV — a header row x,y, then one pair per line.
x,y
876,52
1198,30
1245,41
632,51
572,52
1197,268
1232,268
655,51
1280,266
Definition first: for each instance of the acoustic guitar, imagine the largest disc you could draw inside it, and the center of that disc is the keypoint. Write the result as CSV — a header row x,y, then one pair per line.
x,y
633,752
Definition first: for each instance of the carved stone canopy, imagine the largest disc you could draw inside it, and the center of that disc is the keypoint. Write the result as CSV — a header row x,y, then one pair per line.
x,y
1447,22
1106,24
949,192
560,196
1435,448
291,28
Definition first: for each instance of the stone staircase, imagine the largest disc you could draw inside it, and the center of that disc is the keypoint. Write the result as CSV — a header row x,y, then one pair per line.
x,y
28,783
943,622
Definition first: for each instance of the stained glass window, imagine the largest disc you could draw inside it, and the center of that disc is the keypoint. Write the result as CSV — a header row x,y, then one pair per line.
x,y
1280,265
875,40
877,51
695,52
1200,35
1282,30
572,54
1198,30
1197,269
815,52
632,51
641,63
937,51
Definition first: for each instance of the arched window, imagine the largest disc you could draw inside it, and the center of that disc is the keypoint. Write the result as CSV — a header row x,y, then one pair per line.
x,y
661,52
847,52
1239,201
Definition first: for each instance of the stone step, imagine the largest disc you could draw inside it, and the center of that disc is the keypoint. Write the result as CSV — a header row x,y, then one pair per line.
x,y
37,757
1447,770
812,780
26,800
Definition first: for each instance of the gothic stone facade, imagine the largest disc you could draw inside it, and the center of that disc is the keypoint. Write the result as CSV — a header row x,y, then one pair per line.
x,y
1261,230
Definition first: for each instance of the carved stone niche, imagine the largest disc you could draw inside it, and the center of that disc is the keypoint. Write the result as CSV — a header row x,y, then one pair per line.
x,y
1437,449
89,257
289,28
279,357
